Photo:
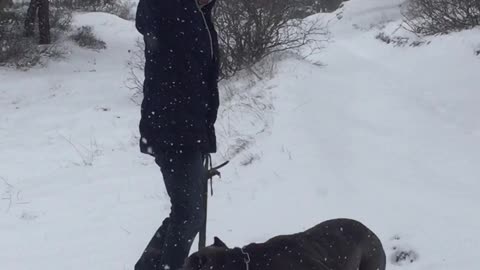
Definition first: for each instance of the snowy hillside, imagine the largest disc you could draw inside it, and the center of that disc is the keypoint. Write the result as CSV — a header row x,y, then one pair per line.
x,y
388,135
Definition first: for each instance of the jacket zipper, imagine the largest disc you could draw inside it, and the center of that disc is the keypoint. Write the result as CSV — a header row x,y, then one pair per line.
x,y
206,27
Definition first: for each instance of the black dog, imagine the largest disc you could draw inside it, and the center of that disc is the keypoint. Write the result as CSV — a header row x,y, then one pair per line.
x,y
339,244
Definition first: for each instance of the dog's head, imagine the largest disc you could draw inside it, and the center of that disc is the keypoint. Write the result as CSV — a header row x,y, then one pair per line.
x,y
215,257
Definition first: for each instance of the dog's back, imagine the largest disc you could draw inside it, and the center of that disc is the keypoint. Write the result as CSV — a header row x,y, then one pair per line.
x,y
340,244
345,244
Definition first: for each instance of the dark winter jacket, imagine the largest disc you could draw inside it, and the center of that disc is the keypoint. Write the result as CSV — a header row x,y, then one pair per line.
x,y
181,101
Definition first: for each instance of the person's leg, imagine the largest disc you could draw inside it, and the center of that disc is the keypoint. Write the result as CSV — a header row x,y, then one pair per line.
x,y
185,176
153,252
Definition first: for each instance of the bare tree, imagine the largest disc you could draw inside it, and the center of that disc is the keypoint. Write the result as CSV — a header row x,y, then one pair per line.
x,y
430,17
40,8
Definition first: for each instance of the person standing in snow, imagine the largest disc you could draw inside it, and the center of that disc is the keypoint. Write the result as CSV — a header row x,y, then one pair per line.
x,y
178,113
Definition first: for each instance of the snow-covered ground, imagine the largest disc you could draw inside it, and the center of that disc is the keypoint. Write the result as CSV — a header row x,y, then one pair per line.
x,y
386,135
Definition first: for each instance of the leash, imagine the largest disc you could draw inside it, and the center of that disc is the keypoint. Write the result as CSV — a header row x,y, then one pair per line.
x,y
246,259
211,173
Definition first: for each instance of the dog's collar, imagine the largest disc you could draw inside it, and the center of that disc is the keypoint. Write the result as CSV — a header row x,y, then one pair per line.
x,y
246,258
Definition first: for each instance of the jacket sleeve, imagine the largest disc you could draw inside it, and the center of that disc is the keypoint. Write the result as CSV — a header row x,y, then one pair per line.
x,y
152,14
214,71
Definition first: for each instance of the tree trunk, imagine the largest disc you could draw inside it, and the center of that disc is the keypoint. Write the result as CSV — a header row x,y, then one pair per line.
x,y
30,18
44,21
40,8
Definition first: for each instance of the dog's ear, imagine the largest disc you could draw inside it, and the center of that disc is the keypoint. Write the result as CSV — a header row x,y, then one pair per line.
x,y
218,243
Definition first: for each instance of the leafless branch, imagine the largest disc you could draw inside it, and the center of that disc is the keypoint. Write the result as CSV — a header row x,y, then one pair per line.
x,y
432,17
250,31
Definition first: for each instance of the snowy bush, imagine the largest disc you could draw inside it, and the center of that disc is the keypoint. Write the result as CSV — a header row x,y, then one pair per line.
x,y
85,38
308,7
304,8
249,31
431,17
398,41
60,20
121,8
9,48
79,4
23,52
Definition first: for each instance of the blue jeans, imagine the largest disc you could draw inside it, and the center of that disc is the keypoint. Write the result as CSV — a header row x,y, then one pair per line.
x,y
185,177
